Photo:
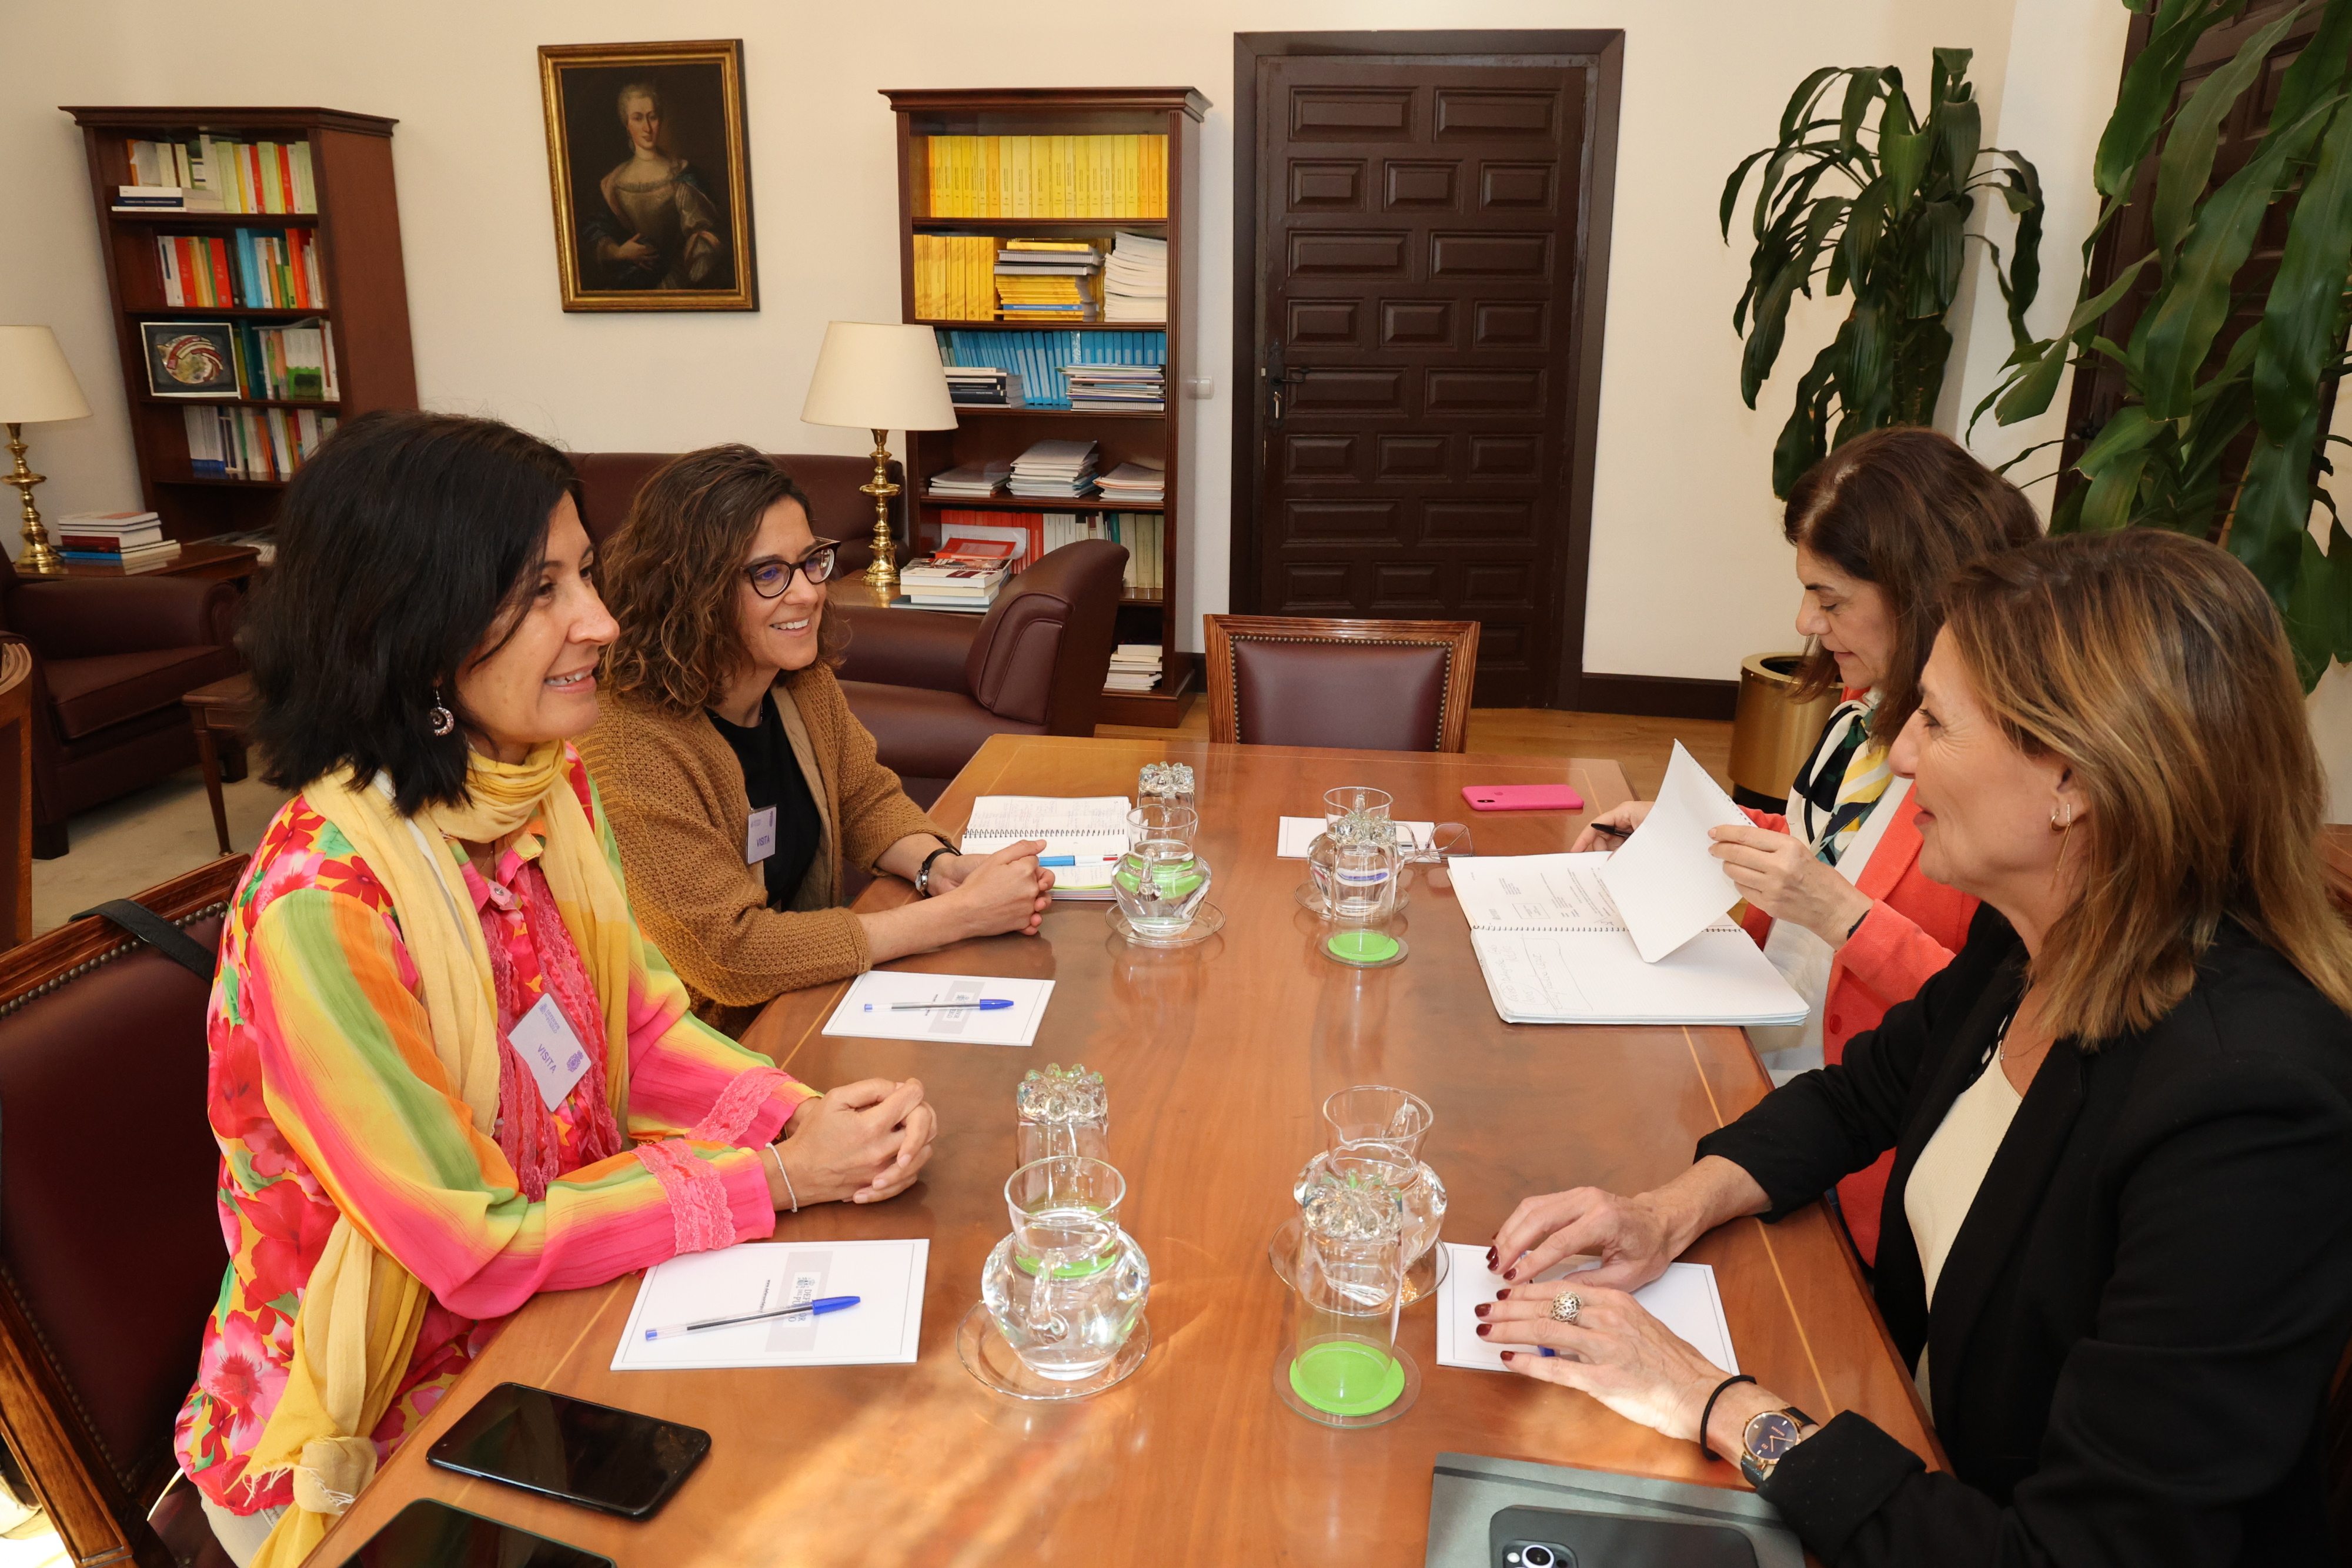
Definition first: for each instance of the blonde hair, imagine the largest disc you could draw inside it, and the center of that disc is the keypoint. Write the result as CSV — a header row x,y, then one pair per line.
x,y
2155,667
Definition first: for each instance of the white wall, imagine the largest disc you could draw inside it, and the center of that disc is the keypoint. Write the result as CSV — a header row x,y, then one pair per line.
x,y
1688,571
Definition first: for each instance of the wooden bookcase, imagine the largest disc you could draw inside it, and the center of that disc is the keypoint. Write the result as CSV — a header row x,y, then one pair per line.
x,y
988,434
357,227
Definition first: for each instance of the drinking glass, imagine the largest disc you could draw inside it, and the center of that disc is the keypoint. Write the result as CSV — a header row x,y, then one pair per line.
x,y
1355,800
1378,1114
1064,1111
1067,1287
1342,1366
1161,883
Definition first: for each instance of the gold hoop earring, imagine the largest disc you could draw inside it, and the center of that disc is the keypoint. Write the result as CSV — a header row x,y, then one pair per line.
x,y
2062,817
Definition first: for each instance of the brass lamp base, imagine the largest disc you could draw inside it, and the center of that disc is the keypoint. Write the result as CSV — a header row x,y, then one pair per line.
x,y
40,558
884,573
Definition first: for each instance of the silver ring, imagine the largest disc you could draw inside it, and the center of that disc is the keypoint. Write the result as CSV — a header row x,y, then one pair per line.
x,y
1566,1306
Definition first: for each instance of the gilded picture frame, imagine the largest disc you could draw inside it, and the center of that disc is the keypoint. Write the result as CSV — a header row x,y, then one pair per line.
x,y
650,170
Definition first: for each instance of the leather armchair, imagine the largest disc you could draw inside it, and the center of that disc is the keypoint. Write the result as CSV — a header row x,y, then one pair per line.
x,y
609,482
111,659
932,687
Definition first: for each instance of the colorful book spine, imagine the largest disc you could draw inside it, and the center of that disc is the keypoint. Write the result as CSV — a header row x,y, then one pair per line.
x,y
1046,176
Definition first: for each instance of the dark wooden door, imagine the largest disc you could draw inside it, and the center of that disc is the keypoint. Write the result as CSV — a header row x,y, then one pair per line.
x,y
1417,271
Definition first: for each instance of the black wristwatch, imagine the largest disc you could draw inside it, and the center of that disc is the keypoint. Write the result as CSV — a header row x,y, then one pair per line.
x,y
1767,1439
923,875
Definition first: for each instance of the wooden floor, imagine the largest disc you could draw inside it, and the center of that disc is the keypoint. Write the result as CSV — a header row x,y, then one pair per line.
x,y
1641,745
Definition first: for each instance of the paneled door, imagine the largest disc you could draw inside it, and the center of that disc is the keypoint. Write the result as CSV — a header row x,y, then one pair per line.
x,y
1417,277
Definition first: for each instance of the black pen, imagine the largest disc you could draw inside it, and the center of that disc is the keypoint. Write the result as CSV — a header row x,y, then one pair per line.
x,y
1612,832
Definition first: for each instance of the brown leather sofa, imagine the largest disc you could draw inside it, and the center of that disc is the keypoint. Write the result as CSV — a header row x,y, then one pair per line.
x,y
113,657
609,481
111,1255
932,687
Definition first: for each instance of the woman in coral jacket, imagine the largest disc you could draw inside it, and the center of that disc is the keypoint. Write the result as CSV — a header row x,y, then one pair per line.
x,y
1834,892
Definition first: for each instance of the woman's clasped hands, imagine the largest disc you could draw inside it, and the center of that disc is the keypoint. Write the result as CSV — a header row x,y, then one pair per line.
x,y
861,1142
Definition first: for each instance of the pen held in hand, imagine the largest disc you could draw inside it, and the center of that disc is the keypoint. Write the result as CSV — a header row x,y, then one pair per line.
x,y
1612,832
817,1308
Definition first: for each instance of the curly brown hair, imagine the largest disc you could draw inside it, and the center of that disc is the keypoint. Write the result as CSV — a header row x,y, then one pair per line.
x,y
672,575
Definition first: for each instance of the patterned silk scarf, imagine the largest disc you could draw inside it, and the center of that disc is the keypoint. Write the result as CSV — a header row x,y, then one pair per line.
x,y
1842,780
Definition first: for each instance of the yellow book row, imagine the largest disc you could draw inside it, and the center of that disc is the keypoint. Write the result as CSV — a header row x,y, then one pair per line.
x,y
1047,176
955,277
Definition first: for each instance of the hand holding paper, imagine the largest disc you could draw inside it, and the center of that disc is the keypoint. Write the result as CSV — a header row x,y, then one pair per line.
x,y
1666,884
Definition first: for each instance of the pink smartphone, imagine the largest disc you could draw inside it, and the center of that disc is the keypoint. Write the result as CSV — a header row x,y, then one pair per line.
x,y
1522,798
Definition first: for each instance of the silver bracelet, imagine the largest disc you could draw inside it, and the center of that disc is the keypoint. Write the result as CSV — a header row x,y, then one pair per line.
x,y
789,1193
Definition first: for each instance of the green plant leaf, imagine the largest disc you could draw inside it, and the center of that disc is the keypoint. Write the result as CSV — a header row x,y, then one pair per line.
x,y
2186,166
1962,131
1937,277
2301,329
2273,509
2311,613
1949,79
1903,155
2339,588
2037,446
2066,514
2029,390
1802,101
2319,70
1804,439
1732,186
1865,382
2186,314
1768,327
2113,493
2129,430
1861,91
2022,191
2150,86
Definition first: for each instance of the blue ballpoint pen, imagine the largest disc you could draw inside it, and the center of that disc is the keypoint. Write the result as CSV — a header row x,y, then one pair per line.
x,y
1073,860
991,1004
816,1308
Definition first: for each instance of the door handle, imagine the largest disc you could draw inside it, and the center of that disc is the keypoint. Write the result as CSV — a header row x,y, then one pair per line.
x,y
1280,376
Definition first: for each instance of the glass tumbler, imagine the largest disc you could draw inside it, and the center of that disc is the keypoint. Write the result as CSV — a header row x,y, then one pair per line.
x,y
1159,883
1378,1114
1355,800
1064,1111
1342,1366
1355,867
1067,1287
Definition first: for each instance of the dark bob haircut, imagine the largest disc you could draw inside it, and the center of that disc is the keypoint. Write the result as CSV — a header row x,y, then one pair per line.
x,y
402,548
1903,509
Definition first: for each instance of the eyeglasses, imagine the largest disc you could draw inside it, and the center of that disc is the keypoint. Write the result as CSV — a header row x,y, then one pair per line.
x,y
770,579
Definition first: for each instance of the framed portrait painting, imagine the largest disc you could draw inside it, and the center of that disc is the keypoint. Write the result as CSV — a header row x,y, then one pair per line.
x,y
652,175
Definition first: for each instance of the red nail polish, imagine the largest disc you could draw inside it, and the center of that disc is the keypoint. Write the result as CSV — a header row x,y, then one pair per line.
x,y
1506,1356
1502,1295
1512,1272
1482,1309
1493,1257
1484,1329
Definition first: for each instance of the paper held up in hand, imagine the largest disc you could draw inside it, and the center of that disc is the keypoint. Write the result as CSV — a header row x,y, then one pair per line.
x,y
886,1278
1683,1298
1666,886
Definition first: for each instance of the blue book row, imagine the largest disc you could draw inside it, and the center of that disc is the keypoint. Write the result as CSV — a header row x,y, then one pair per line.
x,y
1038,358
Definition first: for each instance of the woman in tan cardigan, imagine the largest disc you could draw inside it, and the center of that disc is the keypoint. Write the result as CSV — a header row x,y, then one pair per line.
x,y
737,779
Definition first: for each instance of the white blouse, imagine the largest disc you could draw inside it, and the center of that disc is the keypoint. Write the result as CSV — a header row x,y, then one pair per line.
x,y
1944,1183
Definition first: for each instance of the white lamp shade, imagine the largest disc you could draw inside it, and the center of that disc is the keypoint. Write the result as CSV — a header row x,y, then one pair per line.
x,y
870,376
36,382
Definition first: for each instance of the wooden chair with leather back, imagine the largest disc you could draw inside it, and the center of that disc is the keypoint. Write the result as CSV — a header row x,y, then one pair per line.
x,y
111,1251
1364,685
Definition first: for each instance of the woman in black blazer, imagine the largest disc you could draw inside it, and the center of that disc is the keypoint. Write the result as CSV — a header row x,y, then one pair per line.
x,y
2122,1117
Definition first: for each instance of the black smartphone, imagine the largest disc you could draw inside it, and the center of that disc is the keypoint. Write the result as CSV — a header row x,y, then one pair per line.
x,y
615,1462
428,1534
1557,1538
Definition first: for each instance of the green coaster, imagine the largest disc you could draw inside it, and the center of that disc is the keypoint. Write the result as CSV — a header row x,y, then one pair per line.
x,y
1362,947
1347,1379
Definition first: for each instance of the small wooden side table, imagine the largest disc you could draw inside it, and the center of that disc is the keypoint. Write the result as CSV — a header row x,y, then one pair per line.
x,y
223,707
235,562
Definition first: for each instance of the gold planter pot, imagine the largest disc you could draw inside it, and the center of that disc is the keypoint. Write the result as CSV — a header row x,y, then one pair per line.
x,y
1770,734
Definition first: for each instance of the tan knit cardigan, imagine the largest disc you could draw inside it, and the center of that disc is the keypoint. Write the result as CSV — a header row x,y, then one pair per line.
x,y
675,792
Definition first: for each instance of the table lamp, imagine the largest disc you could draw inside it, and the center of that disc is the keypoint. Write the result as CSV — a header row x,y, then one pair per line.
x,y
870,376
36,384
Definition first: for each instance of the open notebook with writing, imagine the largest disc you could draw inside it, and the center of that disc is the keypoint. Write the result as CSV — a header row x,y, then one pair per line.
x,y
1554,950
1090,828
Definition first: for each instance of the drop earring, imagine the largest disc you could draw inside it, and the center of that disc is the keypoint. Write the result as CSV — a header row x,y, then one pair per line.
x,y
441,720
2062,817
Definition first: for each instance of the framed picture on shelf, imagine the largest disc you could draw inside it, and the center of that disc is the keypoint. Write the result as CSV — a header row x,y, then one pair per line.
x,y
190,359
651,176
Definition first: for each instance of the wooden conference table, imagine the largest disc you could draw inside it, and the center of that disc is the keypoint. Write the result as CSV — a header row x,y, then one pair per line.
x,y
1217,1059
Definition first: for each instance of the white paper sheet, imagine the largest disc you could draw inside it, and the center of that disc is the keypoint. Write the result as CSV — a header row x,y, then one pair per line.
x,y
1683,1298
865,1010
1534,893
1665,884
886,1276
1298,833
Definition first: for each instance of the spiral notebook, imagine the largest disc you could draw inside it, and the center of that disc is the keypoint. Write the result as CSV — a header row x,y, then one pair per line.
x,y
1554,950
1091,829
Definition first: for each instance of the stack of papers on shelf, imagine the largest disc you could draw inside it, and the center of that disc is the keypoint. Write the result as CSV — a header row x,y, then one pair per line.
x,y
1135,280
942,585
1091,829
983,386
965,550
128,539
1118,389
1060,470
1554,949
973,481
1047,280
1134,667
1141,484
262,541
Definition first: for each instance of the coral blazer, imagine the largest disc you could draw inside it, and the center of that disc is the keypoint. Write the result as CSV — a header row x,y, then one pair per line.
x,y
1914,927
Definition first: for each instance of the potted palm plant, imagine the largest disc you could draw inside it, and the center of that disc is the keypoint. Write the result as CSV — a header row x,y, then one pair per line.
x,y
1863,194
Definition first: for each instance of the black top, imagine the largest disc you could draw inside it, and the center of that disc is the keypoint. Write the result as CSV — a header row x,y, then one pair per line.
x,y
772,777
2134,1331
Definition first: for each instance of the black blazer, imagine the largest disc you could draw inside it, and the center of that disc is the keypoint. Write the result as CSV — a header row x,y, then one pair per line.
x,y
2135,1329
